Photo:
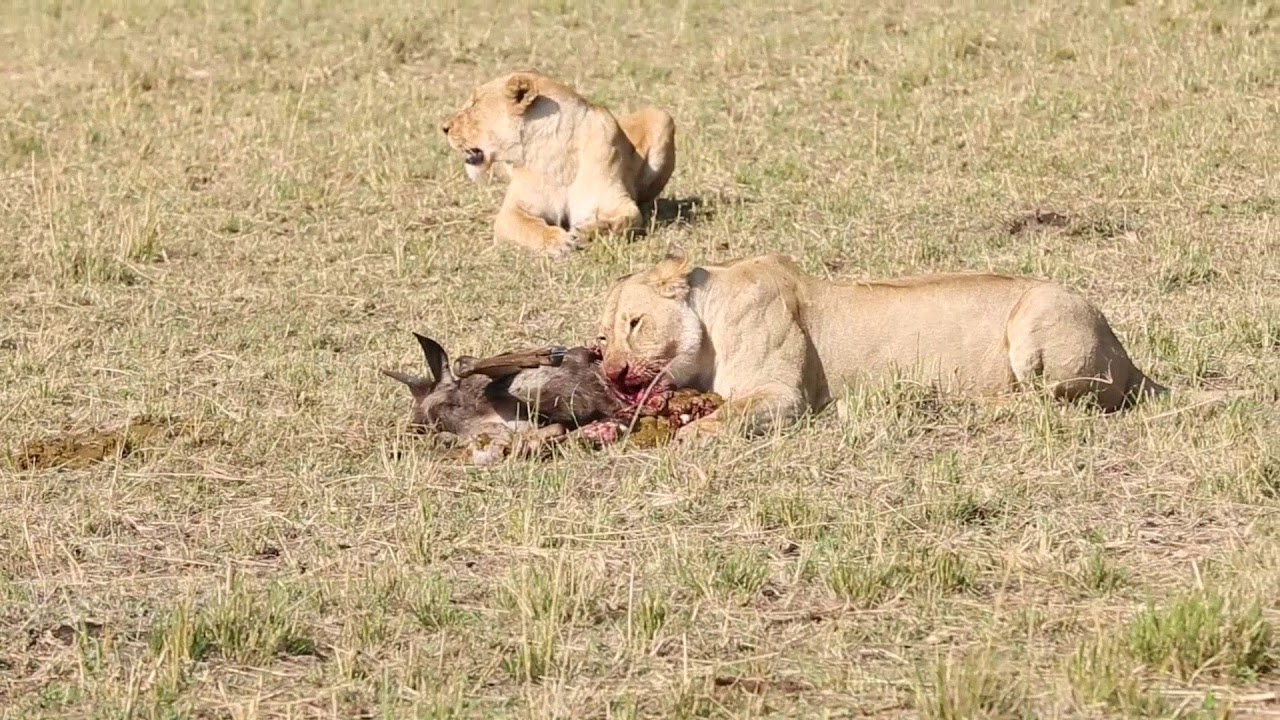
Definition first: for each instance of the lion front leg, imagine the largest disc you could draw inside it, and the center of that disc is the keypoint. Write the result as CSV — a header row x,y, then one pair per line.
x,y
755,413
517,225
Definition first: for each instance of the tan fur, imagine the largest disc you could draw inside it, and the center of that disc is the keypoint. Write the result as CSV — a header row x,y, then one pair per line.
x,y
777,342
574,169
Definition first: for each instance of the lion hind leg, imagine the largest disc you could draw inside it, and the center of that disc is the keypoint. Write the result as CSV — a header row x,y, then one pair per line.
x,y
620,218
1058,338
653,133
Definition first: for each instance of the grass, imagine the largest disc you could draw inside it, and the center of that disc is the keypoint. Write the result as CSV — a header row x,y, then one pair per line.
x,y
1204,633
230,215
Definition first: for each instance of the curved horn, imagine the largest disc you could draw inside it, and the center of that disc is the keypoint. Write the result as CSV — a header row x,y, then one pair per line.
x,y
419,386
437,359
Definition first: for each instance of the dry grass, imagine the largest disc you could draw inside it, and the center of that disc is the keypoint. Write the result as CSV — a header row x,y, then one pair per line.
x,y
227,215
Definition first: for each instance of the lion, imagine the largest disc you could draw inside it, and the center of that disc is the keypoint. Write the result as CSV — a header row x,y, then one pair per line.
x,y
777,343
574,170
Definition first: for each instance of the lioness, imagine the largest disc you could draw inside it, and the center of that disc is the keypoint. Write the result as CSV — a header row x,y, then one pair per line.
x,y
776,342
574,169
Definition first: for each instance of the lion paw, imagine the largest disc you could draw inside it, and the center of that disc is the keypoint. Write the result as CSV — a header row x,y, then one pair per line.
x,y
698,433
563,246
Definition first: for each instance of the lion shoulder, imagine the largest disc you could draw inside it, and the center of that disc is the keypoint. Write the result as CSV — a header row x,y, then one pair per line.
x,y
746,287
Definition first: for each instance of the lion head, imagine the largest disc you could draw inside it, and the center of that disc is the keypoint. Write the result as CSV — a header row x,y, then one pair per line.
x,y
487,129
649,331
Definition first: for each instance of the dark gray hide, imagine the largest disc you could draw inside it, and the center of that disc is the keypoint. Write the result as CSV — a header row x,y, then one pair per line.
x,y
507,391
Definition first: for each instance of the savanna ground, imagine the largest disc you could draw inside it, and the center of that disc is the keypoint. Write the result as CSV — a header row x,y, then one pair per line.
x,y
221,218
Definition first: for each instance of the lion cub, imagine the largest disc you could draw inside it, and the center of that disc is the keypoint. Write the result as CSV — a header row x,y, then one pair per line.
x,y
574,169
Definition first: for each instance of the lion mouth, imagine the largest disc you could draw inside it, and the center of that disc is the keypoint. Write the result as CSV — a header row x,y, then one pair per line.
x,y
649,396
637,383
474,156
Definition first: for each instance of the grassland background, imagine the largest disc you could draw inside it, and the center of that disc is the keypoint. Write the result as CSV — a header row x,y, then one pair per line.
x,y
231,214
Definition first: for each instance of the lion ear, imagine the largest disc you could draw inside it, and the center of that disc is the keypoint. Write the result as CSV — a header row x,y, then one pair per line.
x,y
522,90
671,275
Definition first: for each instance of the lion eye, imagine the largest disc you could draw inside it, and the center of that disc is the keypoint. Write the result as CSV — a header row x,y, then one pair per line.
x,y
635,322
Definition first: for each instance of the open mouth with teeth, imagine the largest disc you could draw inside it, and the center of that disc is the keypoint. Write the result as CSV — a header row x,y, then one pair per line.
x,y
474,156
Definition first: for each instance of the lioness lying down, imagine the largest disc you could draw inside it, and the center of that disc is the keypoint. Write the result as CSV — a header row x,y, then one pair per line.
x,y
775,342
574,169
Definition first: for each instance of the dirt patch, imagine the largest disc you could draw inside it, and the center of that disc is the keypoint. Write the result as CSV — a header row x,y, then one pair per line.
x,y
1037,221
66,634
63,634
761,686
1107,228
81,449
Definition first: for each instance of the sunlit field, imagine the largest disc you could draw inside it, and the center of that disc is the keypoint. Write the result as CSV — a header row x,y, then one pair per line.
x,y
219,219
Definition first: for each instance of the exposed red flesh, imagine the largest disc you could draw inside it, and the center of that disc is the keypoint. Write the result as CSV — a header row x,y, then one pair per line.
x,y
657,402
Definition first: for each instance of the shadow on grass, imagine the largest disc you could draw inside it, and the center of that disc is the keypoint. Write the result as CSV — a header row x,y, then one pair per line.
x,y
678,212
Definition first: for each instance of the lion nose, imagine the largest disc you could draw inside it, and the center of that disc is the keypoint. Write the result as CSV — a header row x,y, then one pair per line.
x,y
445,128
617,373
